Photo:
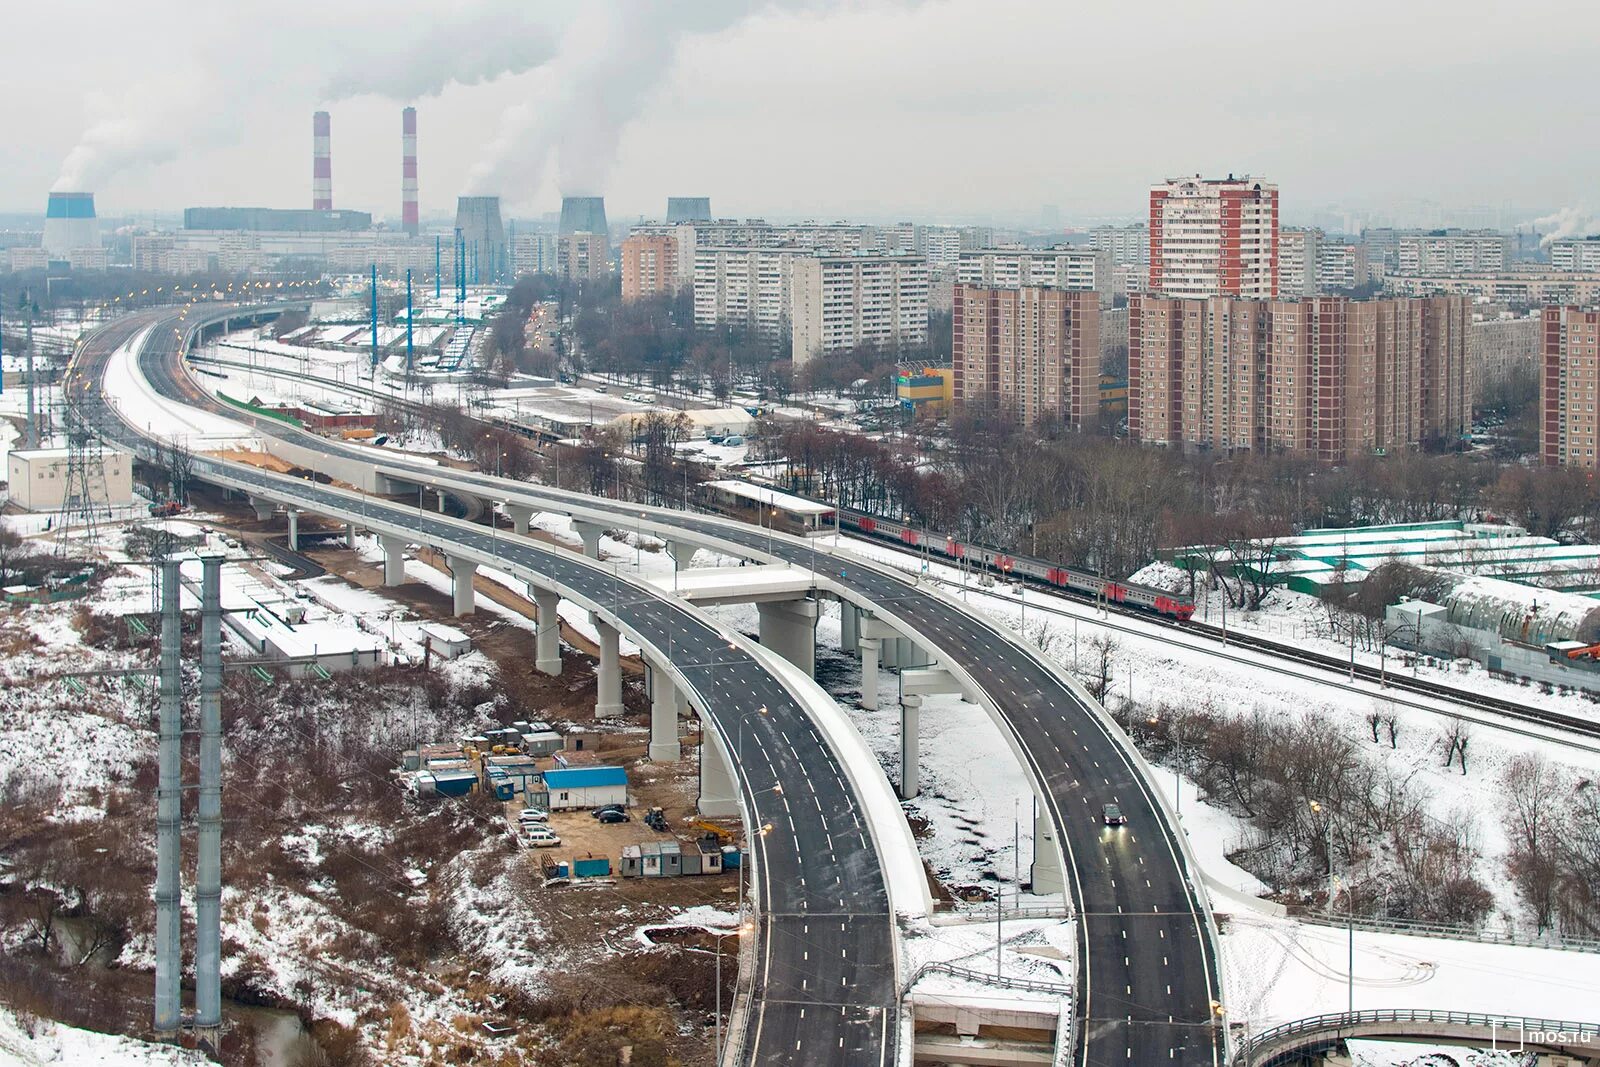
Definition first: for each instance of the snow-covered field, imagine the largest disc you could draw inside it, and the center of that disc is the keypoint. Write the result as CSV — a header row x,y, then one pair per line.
x,y
31,1042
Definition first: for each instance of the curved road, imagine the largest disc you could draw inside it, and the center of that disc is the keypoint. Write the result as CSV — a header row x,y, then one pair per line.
x,y
825,975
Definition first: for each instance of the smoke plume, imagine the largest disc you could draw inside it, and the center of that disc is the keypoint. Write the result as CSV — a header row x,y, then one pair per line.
x,y
1568,222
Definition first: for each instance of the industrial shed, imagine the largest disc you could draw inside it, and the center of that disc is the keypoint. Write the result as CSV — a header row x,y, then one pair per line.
x,y
586,787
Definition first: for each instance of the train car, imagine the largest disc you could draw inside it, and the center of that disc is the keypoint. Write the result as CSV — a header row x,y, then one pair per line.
x,y
1145,598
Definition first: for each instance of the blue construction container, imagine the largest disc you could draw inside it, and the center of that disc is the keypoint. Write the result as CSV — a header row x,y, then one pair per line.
x,y
454,783
597,867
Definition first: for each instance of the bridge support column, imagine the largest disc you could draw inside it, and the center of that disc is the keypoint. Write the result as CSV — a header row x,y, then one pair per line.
x,y
910,745
294,530
889,655
608,674
849,629
719,789
547,655
264,508
438,495
590,533
869,673
394,559
663,716
682,554
789,628
1045,874
463,570
913,654
521,517
350,536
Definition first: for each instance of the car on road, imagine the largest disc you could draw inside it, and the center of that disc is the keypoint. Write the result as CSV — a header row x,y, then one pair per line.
x,y
532,815
613,815
1113,815
539,837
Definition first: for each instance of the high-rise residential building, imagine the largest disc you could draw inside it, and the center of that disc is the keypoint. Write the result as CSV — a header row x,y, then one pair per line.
x,y
1576,253
1214,237
1453,252
1030,352
1342,265
842,301
1500,350
1568,381
533,253
1129,245
582,256
942,246
1066,267
743,287
1299,253
649,265
1326,377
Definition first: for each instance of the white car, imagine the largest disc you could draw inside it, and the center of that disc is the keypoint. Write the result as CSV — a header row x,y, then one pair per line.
x,y
532,815
539,837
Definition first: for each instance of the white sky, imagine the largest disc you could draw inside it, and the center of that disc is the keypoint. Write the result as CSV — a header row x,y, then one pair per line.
x,y
939,108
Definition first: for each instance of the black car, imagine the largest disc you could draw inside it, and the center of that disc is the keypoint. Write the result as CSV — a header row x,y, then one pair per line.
x,y
597,812
613,815
1113,815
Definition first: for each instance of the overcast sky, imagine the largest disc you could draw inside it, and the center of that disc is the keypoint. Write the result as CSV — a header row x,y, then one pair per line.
x,y
933,109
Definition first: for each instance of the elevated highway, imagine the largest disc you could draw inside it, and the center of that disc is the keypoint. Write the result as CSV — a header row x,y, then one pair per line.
x,y
1148,988
823,965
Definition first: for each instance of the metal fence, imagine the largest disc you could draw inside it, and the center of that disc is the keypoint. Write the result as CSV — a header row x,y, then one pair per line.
x,y
1332,1025
1453,932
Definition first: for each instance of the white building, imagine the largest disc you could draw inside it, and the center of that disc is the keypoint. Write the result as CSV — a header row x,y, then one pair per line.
x,y
941,246
1342,265
1128,245
38,478
742,287
1454,252
533,253
1299,255
1067,267
840,301
1576,254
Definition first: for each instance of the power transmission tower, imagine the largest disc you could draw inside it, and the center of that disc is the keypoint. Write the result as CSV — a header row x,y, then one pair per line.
x,y
85,482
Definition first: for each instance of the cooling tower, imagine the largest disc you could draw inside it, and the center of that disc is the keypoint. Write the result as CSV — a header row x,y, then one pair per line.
x,y
408,172
483,237
583,214
69,224
321,162
688,209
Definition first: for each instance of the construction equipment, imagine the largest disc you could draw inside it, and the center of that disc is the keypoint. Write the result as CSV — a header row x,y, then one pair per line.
x,y
656,819
721,834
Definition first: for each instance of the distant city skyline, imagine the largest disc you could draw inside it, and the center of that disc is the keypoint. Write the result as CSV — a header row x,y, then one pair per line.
x,y
1391,115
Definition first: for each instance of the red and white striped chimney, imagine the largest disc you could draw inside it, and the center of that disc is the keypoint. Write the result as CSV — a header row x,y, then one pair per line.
x,y
321,163
409,219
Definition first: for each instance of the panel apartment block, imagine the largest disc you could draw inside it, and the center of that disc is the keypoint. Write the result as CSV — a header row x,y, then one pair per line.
x,y
1031,352
1568,381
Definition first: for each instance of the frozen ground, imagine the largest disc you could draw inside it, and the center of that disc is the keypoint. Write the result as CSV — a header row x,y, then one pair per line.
x,y
31,1042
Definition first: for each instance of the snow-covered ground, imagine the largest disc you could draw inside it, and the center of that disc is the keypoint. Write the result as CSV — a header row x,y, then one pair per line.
x,y
32,1042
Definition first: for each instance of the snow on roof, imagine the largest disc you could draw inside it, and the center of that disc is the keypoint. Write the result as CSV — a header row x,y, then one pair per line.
x,y
1522,612
797,505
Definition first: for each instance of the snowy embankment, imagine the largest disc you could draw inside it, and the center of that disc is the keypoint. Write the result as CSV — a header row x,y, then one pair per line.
x,y
29,1042
137,401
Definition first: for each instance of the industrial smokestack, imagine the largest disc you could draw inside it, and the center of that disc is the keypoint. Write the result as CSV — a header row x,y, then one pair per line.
x,y
583,214
321,162
409,216
688,209
69,223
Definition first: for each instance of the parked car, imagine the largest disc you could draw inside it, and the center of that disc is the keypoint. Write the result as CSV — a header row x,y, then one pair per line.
x,y
532,815
602,809
1113,815
613,815
539,837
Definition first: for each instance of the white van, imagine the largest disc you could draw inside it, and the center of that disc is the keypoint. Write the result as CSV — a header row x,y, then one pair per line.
x,y
539,837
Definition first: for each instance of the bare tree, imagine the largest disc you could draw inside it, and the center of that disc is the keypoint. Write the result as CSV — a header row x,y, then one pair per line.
x,y
1100,665
1455,738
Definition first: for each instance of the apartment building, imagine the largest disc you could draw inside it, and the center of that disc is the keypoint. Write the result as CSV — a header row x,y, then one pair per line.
x,y
1031,352
532,253
582,257
1453,251
840,301
1214,237
1065,267
1500,350
1299,256
1568,381
1576,254
745,287
1129,246
942,246
1527,286
1326,377
1342,265
650,265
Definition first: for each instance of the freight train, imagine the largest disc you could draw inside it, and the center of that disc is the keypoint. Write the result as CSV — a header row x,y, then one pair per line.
x,y
1160,601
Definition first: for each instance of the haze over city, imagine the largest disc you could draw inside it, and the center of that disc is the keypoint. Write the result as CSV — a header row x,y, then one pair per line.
x,y
887,109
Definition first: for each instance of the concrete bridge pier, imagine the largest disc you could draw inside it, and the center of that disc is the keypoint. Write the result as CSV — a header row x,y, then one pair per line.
x,y
547,605
719,789
849,628
463,570
264,508
869,673
394,559
789,628
1045,873
350,536
590,532
910,745
608,674
521,517
889,654
294,530
682,554
664,703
